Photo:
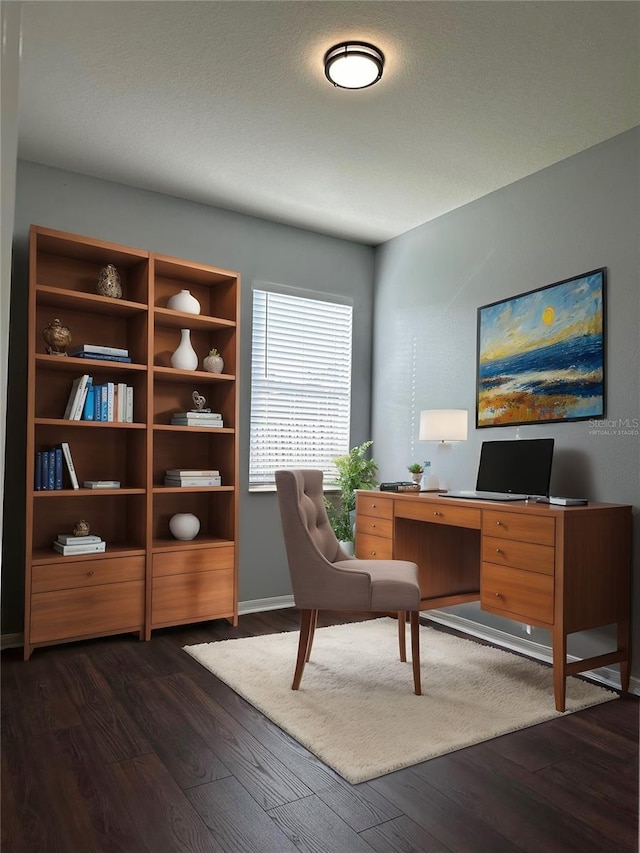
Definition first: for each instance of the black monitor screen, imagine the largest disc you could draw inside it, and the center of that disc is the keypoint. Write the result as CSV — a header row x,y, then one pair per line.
x,y
521,466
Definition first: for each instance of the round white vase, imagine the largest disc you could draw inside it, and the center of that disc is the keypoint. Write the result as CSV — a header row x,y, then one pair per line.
x,y
184,525
185,357
184,301
213,363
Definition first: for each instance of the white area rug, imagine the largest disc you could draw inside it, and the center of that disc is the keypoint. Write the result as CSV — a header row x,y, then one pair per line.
x,y
356,709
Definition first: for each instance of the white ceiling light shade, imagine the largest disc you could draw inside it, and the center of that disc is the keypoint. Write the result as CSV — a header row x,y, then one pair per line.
x,y
353,64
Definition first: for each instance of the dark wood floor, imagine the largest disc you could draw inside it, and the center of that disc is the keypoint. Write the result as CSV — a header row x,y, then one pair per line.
x,y
119,746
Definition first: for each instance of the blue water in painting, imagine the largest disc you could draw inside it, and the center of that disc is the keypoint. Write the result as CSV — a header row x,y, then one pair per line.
x,y
581,356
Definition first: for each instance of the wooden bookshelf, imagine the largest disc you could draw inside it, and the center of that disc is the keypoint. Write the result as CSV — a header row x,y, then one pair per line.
x,y
145,579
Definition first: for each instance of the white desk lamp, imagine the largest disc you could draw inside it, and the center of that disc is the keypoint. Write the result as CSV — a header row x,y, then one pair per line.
x,y
442,425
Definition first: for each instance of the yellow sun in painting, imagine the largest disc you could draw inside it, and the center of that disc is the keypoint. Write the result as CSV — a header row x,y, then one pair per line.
x,y
548,315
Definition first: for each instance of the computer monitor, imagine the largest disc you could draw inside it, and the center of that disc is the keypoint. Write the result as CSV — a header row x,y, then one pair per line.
x,y
521,466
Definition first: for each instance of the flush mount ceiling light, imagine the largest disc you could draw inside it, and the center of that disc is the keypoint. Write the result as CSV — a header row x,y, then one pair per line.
x,y
353,64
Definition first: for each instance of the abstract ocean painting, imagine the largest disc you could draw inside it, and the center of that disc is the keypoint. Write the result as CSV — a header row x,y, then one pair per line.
x,y
541,354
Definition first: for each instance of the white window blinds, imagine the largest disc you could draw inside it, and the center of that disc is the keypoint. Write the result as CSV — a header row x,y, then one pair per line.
x,y
300,384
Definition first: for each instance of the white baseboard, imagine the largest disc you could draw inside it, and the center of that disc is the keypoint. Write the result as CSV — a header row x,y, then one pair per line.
x,y
257,605
608,676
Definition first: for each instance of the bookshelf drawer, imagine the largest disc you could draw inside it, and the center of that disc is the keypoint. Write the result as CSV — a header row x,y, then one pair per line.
x,y
190,597
528,528
520,555
52,576
525,596
373,547
68,614
189,561
374,505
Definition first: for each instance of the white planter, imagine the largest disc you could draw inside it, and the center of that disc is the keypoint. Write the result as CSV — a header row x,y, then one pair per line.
x,y
184,301
213,363
348,548
184,525
185,357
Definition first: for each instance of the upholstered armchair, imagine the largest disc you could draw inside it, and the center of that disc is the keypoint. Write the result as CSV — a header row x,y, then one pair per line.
x,y
325,578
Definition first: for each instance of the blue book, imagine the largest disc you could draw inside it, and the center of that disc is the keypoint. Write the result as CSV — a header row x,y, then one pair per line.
x,y
51,482
45,469
103,357
89,405
58,467
38,471
97,402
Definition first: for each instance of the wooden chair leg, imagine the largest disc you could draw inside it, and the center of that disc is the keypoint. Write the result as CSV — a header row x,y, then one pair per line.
x,y
402,635
415,651
306,619
312,633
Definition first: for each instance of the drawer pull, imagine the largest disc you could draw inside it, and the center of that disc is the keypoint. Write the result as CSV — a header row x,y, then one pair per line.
x,y
90,572
498,595
373,525
498,550
437,513
373,553
373,506
498,523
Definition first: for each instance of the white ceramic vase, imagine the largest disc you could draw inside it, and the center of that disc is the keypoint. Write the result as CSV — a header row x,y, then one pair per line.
x,y
213,363
184,301
184,525
185,357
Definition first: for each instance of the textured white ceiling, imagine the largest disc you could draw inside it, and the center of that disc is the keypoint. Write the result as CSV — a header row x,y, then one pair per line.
x,y
226,103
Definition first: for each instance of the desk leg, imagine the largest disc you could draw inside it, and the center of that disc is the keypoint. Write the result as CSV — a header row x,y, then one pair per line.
x,y
624,646
559,664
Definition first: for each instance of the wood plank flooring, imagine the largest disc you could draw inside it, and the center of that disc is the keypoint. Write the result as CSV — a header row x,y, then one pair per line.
x,y
117,746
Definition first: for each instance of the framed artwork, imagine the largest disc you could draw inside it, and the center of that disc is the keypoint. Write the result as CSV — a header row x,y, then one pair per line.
x,y
540,355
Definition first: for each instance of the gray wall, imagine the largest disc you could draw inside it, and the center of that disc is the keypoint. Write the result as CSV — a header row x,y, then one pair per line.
x,y
260,251
578,215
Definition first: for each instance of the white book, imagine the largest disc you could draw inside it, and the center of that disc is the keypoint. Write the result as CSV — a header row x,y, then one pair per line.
x,y
110,401
71,539
78,406
204,415
89,548
73,396
128,407
203,482
201,423
191,472
101,484
122,402
99,349
66,452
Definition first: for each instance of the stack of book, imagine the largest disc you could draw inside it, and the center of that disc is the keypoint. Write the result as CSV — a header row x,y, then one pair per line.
x,y
191,477
199,419
68,544
100,353
49,468
400,486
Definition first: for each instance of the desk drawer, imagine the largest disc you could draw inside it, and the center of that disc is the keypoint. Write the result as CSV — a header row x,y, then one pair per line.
x,y
520,555
192,560
527,528
374,505
439,513
373,547
521,595
374,526
190,597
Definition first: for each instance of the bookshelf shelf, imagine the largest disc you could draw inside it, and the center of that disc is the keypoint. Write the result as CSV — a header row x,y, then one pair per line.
x,y
145,578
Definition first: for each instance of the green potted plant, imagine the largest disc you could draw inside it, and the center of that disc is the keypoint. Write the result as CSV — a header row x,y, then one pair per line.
x,y
355,471
416,470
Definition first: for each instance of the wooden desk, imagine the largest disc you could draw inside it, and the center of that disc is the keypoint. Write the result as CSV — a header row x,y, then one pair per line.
x,y
566,569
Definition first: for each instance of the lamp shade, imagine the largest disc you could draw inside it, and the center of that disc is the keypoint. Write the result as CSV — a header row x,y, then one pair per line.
x,y
353,64
443,425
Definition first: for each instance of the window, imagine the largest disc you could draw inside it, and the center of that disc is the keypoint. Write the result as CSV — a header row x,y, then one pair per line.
x,y
300,384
